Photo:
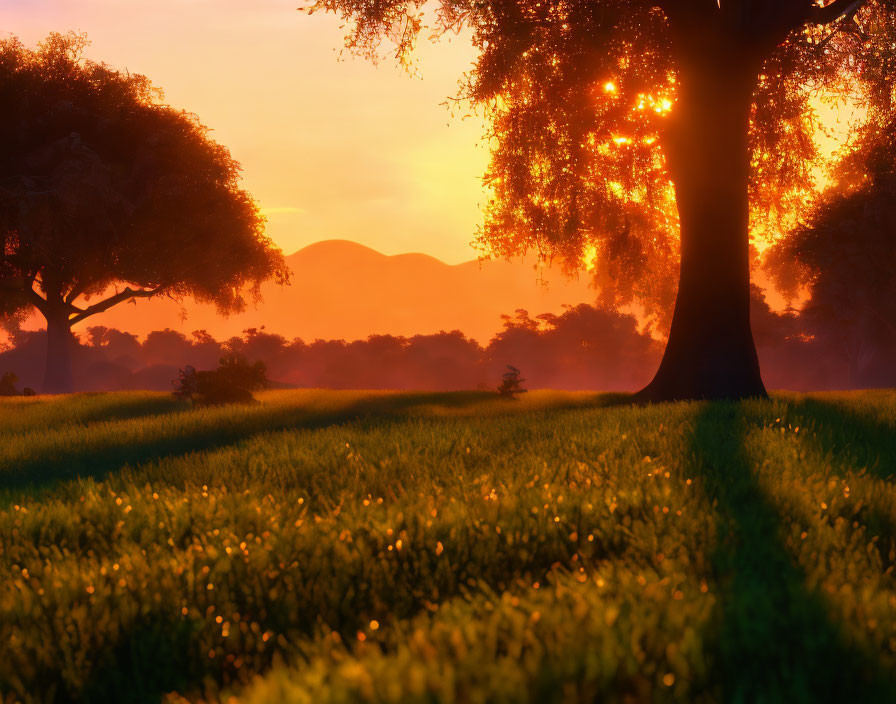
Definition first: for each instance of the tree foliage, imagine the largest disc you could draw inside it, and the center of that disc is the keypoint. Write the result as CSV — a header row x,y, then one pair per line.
x,y
511,384
102,184
232,382
580,95
843,256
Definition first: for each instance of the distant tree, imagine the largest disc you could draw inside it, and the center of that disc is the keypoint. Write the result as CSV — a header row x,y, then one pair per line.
x,y
601,110
103,186
275,350
442,361
118,345
511,383
170,346
844,255
586,347
232,382
8,384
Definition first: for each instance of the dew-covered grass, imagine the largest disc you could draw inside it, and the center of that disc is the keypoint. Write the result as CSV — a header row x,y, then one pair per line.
x,y
377,547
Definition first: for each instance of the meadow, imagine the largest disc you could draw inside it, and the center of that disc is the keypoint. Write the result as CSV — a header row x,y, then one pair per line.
x,y
325,546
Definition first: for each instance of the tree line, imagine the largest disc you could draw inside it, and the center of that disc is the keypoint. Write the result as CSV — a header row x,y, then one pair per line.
x,y
586,347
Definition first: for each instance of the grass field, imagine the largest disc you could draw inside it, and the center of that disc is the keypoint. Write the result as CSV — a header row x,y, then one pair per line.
x,y
347,546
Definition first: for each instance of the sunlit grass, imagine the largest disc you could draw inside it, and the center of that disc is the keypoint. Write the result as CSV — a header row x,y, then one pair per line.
x,y
365,546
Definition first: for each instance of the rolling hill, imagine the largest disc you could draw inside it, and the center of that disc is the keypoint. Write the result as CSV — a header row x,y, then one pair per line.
x,y
342,289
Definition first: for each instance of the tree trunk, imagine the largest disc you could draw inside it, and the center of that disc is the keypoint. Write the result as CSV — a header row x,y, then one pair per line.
x,y
710,353
60,345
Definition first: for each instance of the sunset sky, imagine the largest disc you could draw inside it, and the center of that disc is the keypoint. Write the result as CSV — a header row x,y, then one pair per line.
x,y
330,148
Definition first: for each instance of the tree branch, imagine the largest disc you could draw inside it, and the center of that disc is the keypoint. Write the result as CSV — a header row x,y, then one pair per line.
x,y
105,305
75,292
35,299
833,12
25,286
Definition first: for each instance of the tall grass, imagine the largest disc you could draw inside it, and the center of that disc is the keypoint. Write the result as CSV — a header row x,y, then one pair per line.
x,y
350,546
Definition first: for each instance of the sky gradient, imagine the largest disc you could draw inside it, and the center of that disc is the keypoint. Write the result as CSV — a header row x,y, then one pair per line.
x,y
330,147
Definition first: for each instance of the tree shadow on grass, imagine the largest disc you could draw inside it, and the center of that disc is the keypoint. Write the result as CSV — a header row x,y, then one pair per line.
x,y
25,415
849,439
56,462
843,429
773,637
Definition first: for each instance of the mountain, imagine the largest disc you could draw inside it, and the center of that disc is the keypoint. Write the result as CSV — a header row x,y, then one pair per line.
x,y
341,289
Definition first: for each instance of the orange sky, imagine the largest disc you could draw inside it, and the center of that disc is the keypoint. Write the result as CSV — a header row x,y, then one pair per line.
x,y
329,148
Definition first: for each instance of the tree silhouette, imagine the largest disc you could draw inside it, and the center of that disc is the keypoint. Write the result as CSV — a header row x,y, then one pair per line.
x,y
8,384
511,383
585,347
601,110
101,186
844,256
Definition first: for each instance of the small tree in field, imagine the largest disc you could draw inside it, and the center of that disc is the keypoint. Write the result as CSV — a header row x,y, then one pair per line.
x,y
232,382
511,383
108,195
8,384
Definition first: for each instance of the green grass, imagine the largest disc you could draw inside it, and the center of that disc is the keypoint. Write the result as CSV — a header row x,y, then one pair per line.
x,y
359,546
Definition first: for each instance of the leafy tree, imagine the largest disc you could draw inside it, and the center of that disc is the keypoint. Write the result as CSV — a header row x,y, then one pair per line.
x,y
103,186
585,347
511,383
232,382
601,111
844,256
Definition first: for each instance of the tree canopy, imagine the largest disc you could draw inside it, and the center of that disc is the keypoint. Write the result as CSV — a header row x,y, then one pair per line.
x,y
843,255
649,137
580,93
103,185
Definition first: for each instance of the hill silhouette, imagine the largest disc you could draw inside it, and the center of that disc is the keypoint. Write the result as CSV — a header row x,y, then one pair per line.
x,y
344,290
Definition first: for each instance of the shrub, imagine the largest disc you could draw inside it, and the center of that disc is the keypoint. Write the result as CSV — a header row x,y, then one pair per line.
x,y
511,383
232,382
186,384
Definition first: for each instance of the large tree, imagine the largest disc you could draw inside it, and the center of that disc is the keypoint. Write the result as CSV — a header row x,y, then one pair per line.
x,y
108,195
607,114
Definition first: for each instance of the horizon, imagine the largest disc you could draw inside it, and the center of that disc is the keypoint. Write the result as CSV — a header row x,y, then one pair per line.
x,y
358,293
551,292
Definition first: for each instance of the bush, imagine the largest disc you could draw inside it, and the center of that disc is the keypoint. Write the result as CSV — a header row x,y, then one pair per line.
x,y
187,383
232,382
